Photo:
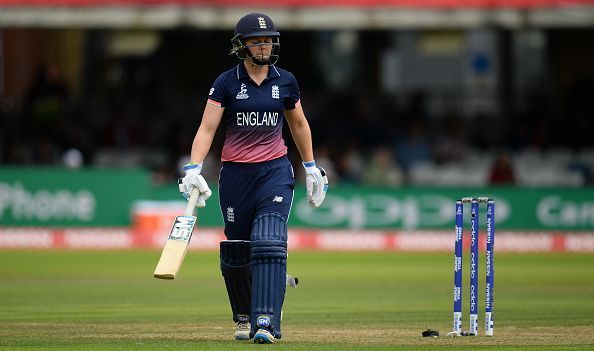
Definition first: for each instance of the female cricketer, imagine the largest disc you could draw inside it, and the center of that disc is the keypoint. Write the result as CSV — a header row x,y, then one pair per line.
x,y
256,180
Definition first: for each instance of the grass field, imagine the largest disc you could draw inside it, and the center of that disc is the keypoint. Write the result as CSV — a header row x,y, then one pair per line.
x,y
92,300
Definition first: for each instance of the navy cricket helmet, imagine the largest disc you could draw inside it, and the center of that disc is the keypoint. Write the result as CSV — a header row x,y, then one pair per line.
x,y
255,25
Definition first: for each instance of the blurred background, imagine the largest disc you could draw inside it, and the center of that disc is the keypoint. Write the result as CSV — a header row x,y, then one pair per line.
x,y
412,104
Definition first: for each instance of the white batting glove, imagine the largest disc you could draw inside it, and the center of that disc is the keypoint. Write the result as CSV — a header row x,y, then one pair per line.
x,y
316,183
193,179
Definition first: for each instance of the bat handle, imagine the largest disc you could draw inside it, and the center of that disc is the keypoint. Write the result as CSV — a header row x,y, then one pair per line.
x,y
192,202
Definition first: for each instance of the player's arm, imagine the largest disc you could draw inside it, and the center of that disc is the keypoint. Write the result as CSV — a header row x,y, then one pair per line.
x,y
203,140
200,146
315,177
301,132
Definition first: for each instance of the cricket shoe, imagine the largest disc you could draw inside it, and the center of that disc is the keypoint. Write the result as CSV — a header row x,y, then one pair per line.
x,y
242,331
263,336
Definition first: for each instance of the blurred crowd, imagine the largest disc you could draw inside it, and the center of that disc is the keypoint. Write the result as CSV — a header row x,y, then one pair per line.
x,y
360,137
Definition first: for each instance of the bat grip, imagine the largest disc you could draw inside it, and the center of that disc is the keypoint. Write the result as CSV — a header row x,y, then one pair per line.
x,y
192,202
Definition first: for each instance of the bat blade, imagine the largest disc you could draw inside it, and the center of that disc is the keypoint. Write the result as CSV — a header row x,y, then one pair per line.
x,y
175,248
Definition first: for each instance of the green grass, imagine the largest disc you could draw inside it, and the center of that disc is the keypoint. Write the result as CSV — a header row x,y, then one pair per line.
x,y
93,300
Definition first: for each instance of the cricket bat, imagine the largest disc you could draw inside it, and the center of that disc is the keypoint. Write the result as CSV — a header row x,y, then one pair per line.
x,y
176,246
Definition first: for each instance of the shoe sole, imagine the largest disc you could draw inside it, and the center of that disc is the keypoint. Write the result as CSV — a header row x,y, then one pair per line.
x,y
263,338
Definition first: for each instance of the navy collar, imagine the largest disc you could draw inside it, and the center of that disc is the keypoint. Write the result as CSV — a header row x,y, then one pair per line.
x,y
242,72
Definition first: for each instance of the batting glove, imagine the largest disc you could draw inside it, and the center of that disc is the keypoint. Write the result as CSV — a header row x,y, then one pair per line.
x,y
193,179
316,183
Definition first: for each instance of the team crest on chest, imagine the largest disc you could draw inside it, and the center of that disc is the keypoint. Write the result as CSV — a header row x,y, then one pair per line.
x,y
275,93
242,95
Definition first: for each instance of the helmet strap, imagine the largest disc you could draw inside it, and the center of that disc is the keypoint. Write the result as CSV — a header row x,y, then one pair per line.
x,y
257,62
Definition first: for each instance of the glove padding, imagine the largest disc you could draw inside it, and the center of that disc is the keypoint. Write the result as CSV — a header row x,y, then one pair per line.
x,y
193,179
316,183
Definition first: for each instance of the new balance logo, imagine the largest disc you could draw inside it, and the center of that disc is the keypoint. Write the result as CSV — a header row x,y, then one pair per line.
x,y
278,199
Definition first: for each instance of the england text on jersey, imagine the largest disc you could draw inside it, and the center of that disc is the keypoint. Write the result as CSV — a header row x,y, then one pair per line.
x,y
250,119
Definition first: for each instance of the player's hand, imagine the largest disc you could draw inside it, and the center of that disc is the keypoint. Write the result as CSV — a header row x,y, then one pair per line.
x,y
193,179
316,183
